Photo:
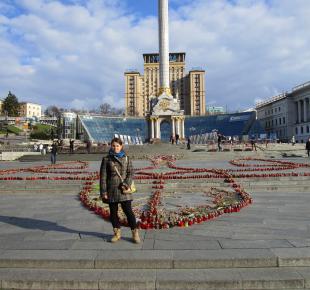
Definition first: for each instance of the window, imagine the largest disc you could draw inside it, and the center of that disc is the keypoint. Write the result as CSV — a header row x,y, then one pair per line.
x,y
276,122
279,109
280,121
283,120
307,129
275,110
301,129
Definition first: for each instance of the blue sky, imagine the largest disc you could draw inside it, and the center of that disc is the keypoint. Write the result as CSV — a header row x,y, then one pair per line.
x,y
73,53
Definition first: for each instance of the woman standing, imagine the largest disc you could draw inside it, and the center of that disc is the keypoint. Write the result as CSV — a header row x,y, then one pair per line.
x,y
112,187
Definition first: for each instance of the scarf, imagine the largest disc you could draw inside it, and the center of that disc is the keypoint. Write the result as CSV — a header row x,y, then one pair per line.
x,y
118,155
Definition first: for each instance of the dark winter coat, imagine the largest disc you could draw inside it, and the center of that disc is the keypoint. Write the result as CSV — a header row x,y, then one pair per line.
x,y
308,145
110,182
54,149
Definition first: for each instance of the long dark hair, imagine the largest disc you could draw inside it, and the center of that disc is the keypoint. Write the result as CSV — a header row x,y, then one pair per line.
x,y
117,140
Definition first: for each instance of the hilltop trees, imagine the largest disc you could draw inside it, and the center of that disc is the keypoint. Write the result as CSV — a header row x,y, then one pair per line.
x,y
10,105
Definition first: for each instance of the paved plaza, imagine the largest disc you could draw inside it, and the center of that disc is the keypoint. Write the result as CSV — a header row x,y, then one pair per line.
x,y
49,240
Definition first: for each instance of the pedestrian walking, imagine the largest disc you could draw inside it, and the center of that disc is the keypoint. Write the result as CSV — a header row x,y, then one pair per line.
x,y
41,148
53,153
188,143
71,146
177,138
88,146
219,141
253,144
293,140
116,174
308,147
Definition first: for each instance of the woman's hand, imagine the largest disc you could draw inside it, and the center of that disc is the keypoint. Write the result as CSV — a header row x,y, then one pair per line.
x,y
104,196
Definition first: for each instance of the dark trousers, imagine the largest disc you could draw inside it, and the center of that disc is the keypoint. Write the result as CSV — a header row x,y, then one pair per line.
x,y
53,158
127,209
308,152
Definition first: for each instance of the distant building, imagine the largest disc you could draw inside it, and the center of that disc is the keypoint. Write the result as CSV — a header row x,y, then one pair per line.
x,y
188,88
67,125
29,110
287,114
211,110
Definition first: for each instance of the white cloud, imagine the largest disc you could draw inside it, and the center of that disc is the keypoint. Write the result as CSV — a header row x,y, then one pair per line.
x,y
76,54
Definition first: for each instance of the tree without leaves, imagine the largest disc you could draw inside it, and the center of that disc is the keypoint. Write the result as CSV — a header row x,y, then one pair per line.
x,y
52,111
10,105
105,108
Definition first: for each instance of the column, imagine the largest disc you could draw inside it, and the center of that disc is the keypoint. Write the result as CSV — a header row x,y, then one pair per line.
x,y
158,128
163,30
173,126
299,111
305,110
177,126
183,128
152,128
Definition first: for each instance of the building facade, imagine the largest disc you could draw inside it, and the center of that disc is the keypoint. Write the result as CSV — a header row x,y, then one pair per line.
x,y
287,115
67,125
189,88
211,110
29,110
275,116
300,96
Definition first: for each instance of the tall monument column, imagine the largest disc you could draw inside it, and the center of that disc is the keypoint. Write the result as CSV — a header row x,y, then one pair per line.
x,y
164,84
165,107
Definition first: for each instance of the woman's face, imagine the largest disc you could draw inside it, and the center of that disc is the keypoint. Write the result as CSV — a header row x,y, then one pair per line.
x,y
116,147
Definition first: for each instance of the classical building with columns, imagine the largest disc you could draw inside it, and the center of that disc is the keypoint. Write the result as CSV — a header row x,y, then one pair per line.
x,y
287,114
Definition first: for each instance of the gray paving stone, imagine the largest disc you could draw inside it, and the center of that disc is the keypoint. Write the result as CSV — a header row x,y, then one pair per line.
x,y
305,273
257,244
148,244
186,245
128,279
49,279
193,259
38,245
105,245
293,257
56,236
300,243
48,259
146,259
198,279
271,278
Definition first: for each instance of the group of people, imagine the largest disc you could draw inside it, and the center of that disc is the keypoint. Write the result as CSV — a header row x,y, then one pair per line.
x,y
175,139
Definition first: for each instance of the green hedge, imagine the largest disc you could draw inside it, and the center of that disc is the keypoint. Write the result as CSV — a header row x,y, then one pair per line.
x,y
41,131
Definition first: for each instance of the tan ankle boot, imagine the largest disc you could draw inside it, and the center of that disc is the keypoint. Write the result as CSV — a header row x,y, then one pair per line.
x,y
117,235
135,236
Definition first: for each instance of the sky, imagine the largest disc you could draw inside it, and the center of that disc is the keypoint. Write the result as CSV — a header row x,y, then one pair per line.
x,y
73,53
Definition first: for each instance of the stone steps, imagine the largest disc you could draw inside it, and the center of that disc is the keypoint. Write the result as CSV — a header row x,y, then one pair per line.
x,y
285,268
243,278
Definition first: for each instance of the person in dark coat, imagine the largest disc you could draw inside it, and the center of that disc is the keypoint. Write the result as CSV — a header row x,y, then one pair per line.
x,y
71,146
219,141
308,147
53,153
253,144
177,138
188,143
111,188
88,146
